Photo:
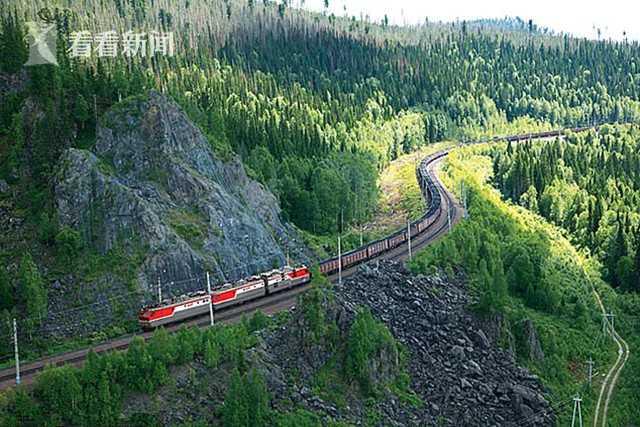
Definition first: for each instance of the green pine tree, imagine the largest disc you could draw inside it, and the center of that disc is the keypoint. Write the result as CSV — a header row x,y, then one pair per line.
x,y
13,45
6,291
258,400
31,290
235,411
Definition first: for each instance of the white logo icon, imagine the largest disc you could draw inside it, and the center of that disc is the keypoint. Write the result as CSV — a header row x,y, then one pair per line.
x,y
42,44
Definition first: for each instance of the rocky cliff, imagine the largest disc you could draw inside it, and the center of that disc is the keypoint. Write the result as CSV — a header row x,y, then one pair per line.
x,y
153,186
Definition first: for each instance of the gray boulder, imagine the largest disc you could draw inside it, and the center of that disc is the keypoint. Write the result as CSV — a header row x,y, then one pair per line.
x,y
532,341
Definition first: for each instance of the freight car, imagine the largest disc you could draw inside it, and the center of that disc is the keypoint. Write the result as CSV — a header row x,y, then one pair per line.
x,y
428,185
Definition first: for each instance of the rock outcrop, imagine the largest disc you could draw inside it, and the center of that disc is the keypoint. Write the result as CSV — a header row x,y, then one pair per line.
x,y
532,341
12,83
153,184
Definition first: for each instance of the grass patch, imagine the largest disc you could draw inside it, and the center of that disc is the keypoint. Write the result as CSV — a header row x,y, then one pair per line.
x,y
119,262
329,385
190,225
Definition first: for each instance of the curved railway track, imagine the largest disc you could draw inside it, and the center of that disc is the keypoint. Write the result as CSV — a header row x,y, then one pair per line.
x,y
270,304
438,226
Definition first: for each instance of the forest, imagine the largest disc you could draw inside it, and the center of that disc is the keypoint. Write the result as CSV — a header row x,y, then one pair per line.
x,y
588,184
317,125
349,97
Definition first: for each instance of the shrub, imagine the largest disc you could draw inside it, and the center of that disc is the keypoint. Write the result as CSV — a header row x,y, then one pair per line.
x,y
68,245
247,401
368,338
31,290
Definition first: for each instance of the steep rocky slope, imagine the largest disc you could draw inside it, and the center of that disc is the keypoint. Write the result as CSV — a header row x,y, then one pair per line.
x,y
153,183
149,201
459,376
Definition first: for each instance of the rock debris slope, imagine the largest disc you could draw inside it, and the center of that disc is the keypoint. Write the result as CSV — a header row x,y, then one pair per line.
x,y
461,376
153,185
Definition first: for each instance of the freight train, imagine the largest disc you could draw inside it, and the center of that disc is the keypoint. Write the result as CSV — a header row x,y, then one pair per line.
x,y
195,304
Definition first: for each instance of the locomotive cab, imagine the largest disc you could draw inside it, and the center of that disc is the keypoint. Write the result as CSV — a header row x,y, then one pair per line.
x,y
145,317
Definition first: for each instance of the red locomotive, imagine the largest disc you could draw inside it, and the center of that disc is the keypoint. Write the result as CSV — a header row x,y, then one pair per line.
x,y
195,304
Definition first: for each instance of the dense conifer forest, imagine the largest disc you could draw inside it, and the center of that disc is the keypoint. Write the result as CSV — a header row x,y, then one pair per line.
x,y
348,97
588,184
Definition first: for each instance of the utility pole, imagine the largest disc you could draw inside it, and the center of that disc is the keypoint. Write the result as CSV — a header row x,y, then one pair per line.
x,y
409,236
449,218
210,298
159,291
288,261
339,262
590,363
576,409
360,222
15,349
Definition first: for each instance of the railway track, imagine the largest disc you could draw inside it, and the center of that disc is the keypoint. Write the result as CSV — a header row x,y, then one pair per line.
x,y
269,305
